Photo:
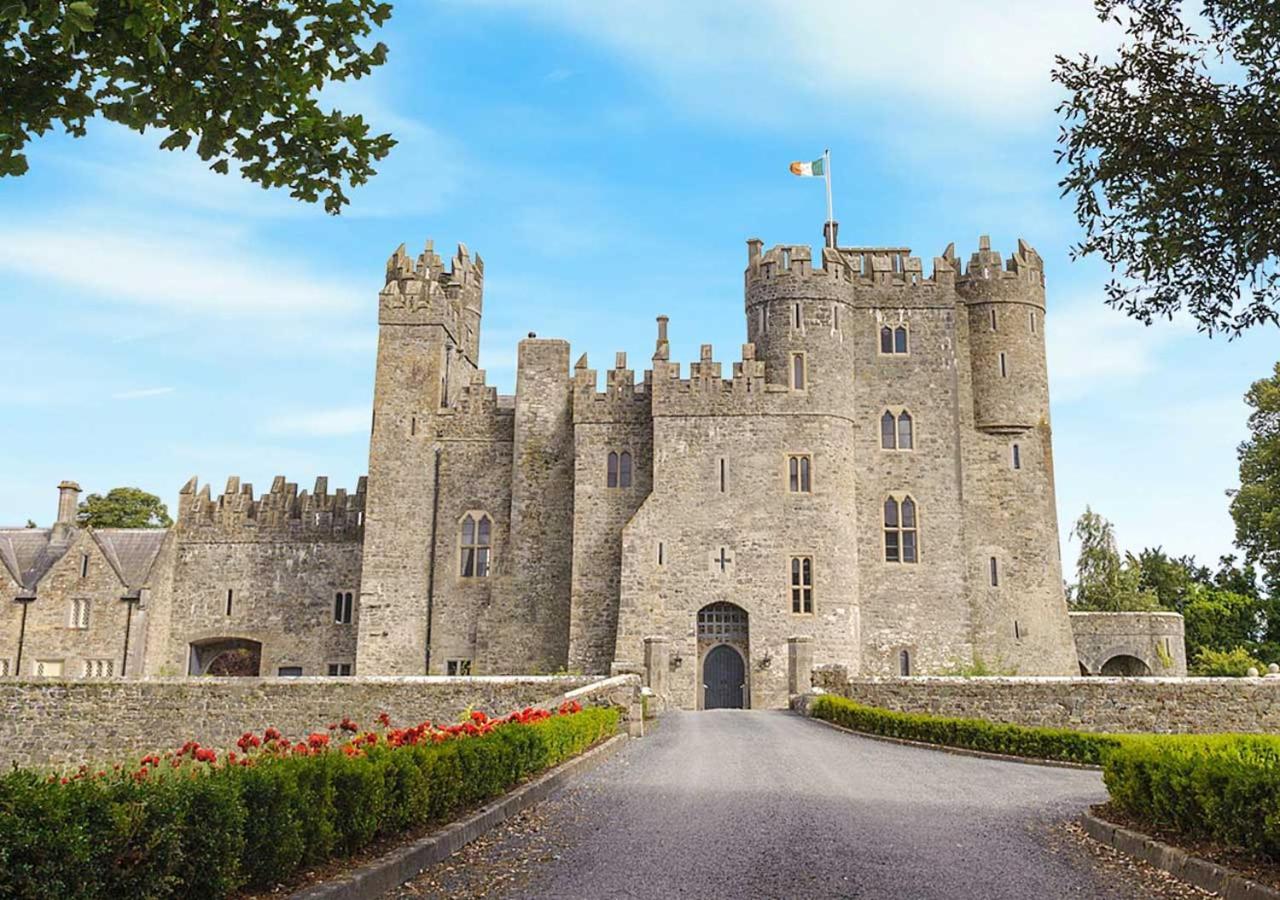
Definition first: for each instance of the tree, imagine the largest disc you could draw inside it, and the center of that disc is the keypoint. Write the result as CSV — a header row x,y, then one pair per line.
x,y
1104,581
1170,579
238,79
123,507
1255,507
1220,620
1173,155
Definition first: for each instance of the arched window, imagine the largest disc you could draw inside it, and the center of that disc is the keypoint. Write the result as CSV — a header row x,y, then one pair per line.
x,y
798,474
886,339
802,584
624,469
904,662
904,431
797,371
477,544
613,471
901,536
900,339
888,438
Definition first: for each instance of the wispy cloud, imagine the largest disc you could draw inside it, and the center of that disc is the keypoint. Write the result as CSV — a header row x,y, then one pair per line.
x,y
200,270
345,420
753,58
142,393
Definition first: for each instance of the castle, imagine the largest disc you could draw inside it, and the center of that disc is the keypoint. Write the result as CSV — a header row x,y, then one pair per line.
x,y
870,484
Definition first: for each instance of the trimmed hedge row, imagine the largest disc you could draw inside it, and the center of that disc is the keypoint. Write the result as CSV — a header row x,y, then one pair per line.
x,y
972,734
1224,788
207,832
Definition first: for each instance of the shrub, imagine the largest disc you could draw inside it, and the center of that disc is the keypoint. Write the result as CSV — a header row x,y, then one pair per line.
x,y
1224,788
973,734
1224,663
193,823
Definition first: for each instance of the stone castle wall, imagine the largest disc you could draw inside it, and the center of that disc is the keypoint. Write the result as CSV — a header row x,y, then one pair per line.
x,y
68,722
1173,705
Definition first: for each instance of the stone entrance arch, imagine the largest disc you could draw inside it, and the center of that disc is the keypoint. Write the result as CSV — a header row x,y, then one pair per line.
x,y
1125,666
724,680
229,656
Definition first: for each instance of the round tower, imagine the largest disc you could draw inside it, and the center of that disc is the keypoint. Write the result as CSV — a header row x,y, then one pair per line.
x,y
798,318
1006,338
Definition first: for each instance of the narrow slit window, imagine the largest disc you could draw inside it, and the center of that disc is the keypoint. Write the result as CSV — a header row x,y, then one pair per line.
x,y
797,371
1004,366
624,469
661,554
230,597
835,318
900,339
799,321
993,567
1017,457
993,319
904,662
888,436
1033,321
1017,630
886,339
612,477
84,565
722,474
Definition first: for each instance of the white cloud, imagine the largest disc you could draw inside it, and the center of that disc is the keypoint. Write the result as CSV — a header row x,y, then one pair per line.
x,y
345,420
142,393
200,270
993,64
1088,344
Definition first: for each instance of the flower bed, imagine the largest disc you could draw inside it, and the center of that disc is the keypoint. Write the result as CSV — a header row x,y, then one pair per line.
x,y
196,822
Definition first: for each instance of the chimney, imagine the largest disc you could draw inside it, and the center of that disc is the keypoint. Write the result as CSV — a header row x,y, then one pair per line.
x,y
68,502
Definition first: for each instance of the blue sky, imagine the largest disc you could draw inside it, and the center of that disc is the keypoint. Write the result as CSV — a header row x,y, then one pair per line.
x,y
608,161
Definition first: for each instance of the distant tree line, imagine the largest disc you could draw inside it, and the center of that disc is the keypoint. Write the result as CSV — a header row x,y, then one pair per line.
x,y
1231,612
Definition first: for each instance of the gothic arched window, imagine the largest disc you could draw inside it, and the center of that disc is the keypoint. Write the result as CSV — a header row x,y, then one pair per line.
x,y
904,431
886,339
624,469
888,437
477,545
613,471
900,339
901,533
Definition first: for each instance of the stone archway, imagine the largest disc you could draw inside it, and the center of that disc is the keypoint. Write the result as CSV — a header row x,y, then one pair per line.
x,y
724,681
226,657
1125,666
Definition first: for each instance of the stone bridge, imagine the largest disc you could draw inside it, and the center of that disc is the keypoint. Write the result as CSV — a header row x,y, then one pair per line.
x,y
1129,643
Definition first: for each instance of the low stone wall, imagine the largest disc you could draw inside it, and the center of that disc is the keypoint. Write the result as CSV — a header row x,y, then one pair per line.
x,y
1178,705
61,722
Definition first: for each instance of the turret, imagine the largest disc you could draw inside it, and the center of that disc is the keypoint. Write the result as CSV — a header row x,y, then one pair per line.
x,y
1005,303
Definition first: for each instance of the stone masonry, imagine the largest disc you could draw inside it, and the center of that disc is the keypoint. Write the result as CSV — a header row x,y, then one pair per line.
x,y
871,480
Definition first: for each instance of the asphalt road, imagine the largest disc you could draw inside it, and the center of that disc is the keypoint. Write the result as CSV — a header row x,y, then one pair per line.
x,y
733,804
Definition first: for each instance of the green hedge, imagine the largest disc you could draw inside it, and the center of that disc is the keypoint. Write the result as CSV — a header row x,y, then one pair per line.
x,y
1223,787
972,734
205,832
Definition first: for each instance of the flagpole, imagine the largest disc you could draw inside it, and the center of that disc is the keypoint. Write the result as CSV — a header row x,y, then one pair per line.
x,y
826,171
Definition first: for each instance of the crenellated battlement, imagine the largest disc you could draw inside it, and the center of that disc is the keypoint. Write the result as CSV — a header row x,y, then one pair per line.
x,y
707,390
848,273
282,512
622,400
423,291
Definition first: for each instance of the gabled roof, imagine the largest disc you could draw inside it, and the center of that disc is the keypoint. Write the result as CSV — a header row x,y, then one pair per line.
x,y
131,552
28,553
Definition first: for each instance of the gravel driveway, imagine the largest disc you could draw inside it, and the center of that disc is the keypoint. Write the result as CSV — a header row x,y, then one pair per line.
x,y
738,804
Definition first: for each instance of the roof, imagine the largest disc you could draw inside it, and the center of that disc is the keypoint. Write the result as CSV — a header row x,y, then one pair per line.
x,y
29,553
131,551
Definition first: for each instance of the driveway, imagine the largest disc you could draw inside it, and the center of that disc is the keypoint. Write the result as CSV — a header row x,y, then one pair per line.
x,y
739,804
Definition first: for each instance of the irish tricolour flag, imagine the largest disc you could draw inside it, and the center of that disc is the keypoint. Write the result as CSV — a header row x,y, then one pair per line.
x,y
815,169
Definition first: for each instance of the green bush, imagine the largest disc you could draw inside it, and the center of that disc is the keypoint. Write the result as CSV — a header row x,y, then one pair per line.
x,y
1224,788
972,734
1224,663
205,831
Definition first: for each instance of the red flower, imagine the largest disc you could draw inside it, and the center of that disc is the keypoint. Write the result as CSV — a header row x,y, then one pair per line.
x,y
384,719
479,717
206,755
318,741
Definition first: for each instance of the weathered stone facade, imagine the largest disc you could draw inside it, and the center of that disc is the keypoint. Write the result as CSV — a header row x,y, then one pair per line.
x,y
875,474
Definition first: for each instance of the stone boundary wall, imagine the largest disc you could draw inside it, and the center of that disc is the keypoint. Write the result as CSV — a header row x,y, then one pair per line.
x,y
69,722
1174,705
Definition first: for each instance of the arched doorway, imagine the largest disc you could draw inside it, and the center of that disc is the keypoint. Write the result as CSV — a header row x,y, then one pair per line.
x,y
724,678
227,657
723,651
1125,666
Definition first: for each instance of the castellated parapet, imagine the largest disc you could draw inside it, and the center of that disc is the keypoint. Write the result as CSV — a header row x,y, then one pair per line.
x,y
282,512
871,477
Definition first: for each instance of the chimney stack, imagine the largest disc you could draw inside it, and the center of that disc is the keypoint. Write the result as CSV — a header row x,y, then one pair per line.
x,y
68,502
